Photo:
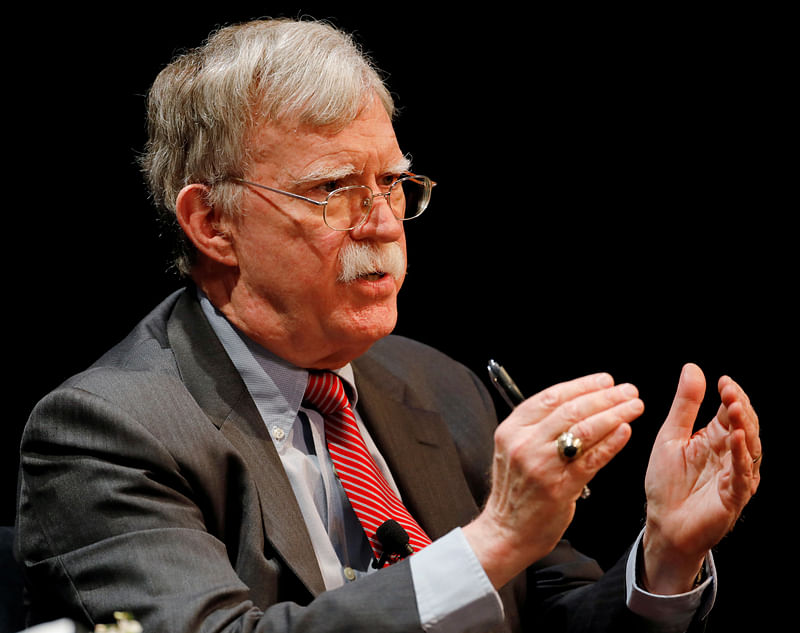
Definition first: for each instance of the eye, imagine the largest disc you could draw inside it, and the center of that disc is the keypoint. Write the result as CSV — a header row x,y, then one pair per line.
x,y
387,180
320,190
330,186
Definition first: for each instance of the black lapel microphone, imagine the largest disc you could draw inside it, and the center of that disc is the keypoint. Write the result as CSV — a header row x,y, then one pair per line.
x,y
394,540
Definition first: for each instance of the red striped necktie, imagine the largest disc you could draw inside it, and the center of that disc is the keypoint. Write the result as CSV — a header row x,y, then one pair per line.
x,y
372,499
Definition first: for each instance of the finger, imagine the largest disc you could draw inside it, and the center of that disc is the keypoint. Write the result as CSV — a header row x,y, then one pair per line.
x,y
730,392
744,481
603,450
683,412
539,406
619,409
736,412
579,414
740,420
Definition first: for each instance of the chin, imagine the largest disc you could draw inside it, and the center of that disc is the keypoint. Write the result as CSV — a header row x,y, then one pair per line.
x,y
365,327
347,344
374,325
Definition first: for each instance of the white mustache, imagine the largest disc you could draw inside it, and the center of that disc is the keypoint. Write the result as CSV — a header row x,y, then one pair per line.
x,y
357,259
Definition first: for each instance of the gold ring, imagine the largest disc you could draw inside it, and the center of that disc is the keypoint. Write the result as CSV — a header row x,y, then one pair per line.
x,y
569,446
758,459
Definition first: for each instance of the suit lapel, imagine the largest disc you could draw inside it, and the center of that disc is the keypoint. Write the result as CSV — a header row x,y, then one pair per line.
x,y
418,450
414,441
219,390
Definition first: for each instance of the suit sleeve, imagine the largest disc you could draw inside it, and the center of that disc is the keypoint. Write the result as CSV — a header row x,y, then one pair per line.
x,y
109,520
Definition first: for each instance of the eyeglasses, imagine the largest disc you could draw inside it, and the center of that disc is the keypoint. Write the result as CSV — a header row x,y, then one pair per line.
x,y
347,208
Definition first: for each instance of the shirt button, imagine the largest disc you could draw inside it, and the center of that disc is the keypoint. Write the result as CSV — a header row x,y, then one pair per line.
x,y
349,573
278,433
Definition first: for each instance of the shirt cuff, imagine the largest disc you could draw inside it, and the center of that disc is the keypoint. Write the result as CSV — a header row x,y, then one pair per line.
x,y
674,613
453,592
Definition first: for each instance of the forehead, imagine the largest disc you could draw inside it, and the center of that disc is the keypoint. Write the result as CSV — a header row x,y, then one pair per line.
x,y
290,152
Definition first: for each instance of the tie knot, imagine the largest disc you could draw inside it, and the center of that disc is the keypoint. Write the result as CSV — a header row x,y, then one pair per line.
x,y
325,392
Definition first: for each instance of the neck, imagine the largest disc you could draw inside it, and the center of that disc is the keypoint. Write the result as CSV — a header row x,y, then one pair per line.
x,y
273,329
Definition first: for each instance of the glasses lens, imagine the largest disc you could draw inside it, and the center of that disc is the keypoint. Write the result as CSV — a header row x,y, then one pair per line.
x,y
346,207
410,197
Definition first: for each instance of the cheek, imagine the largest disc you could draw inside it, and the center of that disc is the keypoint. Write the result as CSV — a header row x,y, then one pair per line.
x,y
287,249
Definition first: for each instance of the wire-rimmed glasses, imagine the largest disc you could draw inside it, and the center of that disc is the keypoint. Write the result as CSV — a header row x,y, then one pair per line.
x,y
347,208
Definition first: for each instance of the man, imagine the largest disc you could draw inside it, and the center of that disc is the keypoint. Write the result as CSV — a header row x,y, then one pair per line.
x,y
192,477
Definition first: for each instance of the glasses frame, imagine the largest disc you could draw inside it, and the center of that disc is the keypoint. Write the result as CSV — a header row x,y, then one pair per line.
x,y
426,183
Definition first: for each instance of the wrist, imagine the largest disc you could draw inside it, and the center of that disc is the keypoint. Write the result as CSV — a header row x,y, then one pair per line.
x,y
492,553
667,569
498,550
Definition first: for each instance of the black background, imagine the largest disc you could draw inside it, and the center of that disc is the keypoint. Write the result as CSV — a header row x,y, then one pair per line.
x,y
612,196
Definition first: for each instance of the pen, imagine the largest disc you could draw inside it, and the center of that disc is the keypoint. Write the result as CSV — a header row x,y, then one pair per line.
x,y
502,381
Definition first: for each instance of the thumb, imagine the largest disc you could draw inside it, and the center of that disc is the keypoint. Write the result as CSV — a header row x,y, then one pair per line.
x,y
685,406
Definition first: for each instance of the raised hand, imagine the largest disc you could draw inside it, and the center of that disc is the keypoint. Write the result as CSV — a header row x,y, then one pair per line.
x,y
697,483
534,488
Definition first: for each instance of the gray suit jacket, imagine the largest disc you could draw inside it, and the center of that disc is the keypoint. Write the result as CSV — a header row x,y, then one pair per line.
x,y
149,484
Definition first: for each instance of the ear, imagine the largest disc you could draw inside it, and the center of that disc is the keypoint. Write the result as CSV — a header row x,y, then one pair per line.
x,y
204,225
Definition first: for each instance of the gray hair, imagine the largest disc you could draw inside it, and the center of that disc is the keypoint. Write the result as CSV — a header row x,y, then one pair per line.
x,y
203,107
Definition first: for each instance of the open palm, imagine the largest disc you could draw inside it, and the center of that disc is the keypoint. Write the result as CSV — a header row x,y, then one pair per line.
x,y
698,483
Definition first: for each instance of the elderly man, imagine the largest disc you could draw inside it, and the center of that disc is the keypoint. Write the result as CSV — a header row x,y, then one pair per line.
x,y
260,455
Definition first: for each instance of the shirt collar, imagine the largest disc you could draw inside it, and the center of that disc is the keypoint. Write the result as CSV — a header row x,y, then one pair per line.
x,y
275,384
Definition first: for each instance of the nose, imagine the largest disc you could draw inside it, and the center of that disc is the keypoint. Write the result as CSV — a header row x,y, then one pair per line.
x,y
381,223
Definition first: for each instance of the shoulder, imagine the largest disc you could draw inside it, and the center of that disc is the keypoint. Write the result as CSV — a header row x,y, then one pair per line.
x,y
430,375
146,341
136,375
426,370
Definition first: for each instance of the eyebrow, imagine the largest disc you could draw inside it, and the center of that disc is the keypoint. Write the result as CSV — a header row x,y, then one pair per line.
x,y
327,173
404,164
343,171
